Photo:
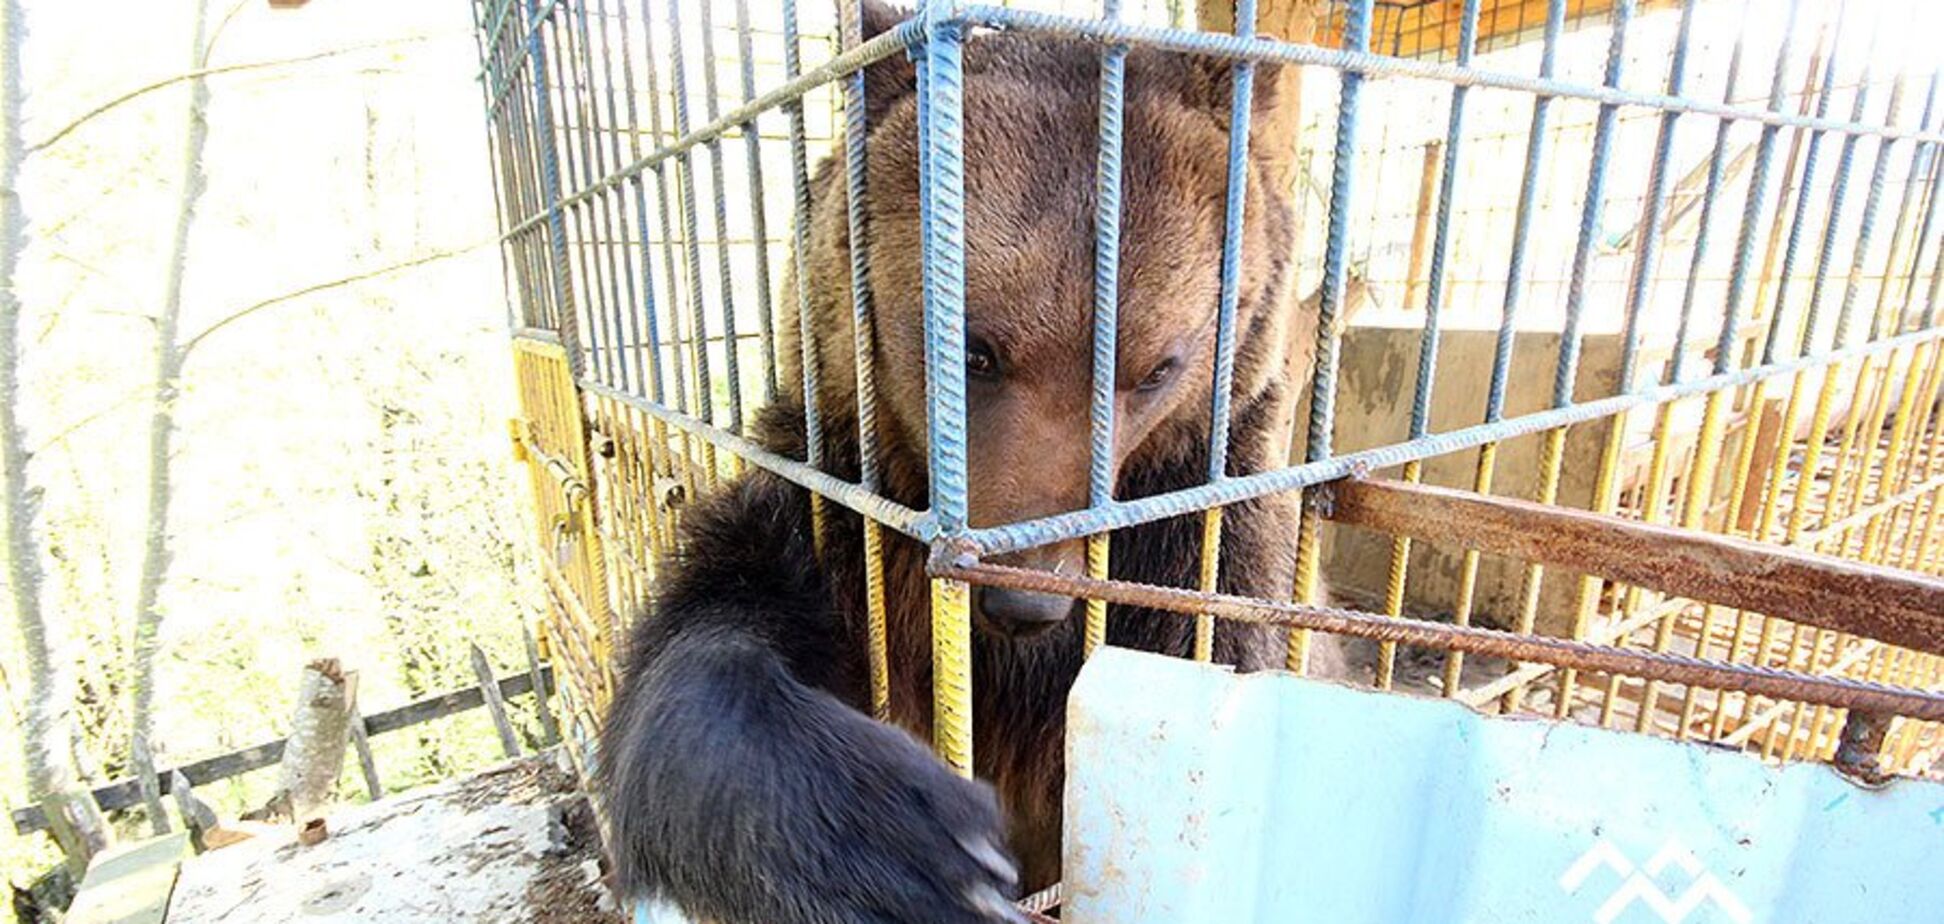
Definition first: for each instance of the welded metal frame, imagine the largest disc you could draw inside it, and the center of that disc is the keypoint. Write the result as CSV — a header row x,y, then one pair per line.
x,y
631,312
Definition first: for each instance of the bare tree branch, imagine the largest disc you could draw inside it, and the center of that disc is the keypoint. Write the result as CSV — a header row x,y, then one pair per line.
x,y
87,420
166,381
313,289
201,73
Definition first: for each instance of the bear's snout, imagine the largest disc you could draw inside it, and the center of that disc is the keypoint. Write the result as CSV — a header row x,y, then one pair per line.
x,y
1020,613
1011,613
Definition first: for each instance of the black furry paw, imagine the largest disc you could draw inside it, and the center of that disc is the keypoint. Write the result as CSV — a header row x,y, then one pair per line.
x,y
888,833
743,798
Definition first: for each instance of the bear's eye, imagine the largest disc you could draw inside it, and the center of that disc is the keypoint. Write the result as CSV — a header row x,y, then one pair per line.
x,y
980,363
1159,376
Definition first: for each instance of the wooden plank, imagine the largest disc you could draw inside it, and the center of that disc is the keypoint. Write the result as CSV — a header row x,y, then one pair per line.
x,y
131,884
1415,277
197,817
495,706
1899,607
124,793
1766,433
361,743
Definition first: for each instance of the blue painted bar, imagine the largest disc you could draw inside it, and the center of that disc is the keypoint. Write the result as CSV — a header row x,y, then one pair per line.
x,y
758,220
941,89
1356,37
1441,242
1106,317
1522,218
1647,257
800,241
1567,371
863,308
1241,108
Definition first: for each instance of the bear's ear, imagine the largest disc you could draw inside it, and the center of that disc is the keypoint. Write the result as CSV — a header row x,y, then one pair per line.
x,y
893,78
1212,88
1275,117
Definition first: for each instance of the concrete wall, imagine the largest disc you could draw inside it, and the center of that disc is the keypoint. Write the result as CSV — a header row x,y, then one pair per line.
x,y
1378,379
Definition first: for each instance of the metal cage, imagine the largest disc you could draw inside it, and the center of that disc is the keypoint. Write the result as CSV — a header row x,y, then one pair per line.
x,y
1726,532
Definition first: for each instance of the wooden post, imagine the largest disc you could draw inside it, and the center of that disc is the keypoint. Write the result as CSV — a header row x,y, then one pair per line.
x,y
70,816
1416,280
361,743
495,704
197,816
1765,428
319,731
542,695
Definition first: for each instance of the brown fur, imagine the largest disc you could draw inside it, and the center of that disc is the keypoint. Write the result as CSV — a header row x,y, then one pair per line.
x,y
740,777
1030,150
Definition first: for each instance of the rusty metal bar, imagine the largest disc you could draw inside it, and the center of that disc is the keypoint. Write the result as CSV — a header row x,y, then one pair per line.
x,y
1898,607
951,561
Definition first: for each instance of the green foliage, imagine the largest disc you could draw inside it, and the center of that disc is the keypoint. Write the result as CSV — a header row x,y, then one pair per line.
x,y
344,486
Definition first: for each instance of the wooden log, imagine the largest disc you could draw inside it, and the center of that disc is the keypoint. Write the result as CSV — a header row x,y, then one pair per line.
x,y
123,793
495,706
320,730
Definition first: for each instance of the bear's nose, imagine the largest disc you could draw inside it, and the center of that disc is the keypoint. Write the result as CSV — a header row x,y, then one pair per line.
x,y
1022,612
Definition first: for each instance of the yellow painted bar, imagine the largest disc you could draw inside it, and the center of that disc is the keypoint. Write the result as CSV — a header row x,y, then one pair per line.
x,y
1900,431
1606,499
1098,548
1812,452
952,673
1394,581
1211,563
1785,436
817,515
1844,489
1694,510
1737,493
876,645
1307,553
1550,459
1653,508
1461,614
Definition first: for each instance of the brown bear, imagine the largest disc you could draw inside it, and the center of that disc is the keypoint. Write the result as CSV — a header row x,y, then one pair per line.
x,y
742,777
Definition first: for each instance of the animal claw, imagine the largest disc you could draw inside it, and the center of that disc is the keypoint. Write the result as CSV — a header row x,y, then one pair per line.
x,y
983,850
987,901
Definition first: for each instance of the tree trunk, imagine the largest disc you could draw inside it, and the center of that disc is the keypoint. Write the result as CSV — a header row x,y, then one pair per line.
x,y
166,387
47,730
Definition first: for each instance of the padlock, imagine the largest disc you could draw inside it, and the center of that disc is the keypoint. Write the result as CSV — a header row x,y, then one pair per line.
x,y
566,529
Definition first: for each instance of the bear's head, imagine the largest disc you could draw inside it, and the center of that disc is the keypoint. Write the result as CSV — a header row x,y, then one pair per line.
x,y
1031,120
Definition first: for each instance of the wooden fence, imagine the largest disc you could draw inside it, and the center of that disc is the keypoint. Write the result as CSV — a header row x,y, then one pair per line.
x,y
491,693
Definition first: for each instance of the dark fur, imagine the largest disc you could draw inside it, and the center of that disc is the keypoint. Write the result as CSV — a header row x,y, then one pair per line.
x,y
741,779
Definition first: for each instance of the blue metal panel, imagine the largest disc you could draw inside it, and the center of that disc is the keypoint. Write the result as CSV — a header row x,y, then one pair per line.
x,y
1197,795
